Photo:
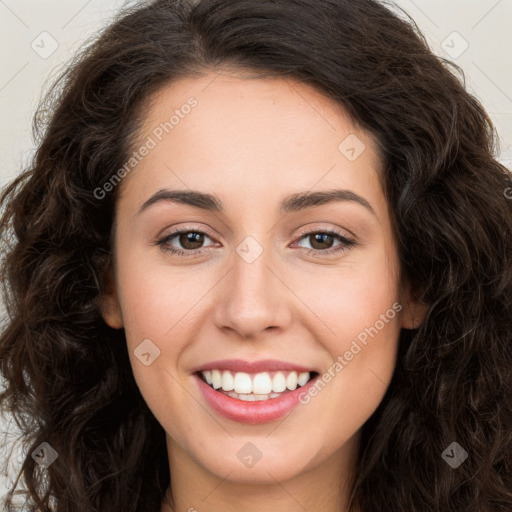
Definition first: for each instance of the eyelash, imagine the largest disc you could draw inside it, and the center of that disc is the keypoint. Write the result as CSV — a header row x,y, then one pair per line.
x,y
345,245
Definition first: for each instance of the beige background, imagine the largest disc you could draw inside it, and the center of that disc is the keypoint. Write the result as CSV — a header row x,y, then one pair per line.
x,y
483,26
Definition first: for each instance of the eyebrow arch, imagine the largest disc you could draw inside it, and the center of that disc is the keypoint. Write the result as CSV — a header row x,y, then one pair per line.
x,y
292,203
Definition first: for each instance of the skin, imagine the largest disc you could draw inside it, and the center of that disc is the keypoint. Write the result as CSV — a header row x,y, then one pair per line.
x,y
253,141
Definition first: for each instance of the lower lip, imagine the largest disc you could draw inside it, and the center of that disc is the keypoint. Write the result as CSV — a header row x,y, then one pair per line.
x,y
257,412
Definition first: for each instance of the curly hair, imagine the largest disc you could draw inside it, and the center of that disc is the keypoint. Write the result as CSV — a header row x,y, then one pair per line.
x,y
68,376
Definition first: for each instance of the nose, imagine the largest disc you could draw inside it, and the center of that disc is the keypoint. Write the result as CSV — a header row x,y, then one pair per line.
x,y
254,298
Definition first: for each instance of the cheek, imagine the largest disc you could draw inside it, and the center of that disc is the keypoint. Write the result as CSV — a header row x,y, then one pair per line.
x,y
359,309
352,296
154,298
157,305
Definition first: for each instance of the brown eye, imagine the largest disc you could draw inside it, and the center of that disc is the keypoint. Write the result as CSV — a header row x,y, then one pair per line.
x,y
190,242
191,239
321,240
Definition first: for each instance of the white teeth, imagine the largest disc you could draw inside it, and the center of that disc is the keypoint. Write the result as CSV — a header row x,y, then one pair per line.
x,y
243,383
291,381
279,382
216,379
302,378
252,397
227,381
262,384
257,385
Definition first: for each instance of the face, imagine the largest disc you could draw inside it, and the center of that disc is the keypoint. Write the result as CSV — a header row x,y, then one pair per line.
x,y
310,285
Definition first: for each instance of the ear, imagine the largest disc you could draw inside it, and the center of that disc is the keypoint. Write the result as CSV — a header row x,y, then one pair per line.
x,y
414,311
109,302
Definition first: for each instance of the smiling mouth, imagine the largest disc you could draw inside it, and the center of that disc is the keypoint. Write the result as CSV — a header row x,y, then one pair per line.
x,y
251,387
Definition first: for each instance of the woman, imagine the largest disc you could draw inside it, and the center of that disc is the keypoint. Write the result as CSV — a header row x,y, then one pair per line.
x,y
172,344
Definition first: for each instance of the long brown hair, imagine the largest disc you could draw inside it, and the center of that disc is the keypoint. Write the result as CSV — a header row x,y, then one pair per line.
x,y
69,381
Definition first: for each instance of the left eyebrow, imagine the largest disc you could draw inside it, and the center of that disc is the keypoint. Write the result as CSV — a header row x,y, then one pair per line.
x,y
303,200
292,203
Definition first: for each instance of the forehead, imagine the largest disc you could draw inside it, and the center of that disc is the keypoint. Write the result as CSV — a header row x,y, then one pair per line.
x,y
224,103
251,136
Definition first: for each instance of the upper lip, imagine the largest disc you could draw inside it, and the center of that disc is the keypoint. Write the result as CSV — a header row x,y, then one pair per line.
x,y
239,365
